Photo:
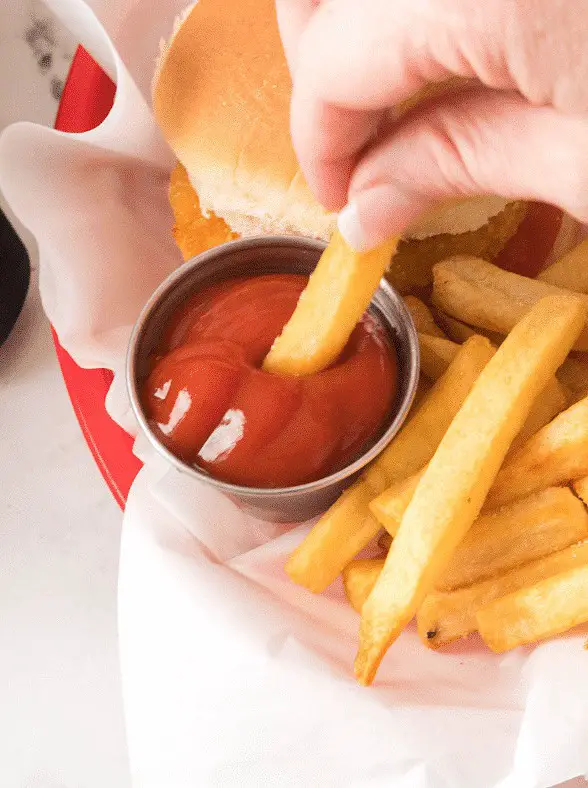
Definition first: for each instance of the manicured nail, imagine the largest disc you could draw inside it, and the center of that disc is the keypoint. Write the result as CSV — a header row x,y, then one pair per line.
x,y
350,227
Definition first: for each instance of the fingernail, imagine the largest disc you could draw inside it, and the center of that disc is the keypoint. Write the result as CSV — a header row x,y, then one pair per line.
x,y
350,227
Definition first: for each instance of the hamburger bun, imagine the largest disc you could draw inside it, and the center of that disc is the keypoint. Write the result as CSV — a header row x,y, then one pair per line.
x,y
221,96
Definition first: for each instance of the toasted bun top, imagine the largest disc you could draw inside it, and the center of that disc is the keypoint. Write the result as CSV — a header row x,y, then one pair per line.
x,y
221,97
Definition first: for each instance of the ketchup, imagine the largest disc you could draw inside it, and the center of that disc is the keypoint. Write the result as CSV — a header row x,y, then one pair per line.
x,y
527,251
212,405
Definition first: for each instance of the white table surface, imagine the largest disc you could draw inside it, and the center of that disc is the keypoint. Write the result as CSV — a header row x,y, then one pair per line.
x,y
61,723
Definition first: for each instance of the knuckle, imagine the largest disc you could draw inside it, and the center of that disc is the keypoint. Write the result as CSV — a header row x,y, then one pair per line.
x,y
452,139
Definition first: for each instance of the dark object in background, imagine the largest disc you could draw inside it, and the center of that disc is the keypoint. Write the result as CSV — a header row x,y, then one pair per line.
x,y
15,274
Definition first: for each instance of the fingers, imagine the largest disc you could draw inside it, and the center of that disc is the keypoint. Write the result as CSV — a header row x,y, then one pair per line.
x,y
358,58
481,142
293,18
331,139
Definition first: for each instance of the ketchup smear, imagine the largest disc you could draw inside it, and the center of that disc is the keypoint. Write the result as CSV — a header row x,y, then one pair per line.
x,y
527,251
212,405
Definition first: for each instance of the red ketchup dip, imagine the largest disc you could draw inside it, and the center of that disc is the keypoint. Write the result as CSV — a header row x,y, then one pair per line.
x,y
210,403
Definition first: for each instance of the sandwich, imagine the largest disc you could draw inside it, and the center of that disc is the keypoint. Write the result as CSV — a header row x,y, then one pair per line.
x,y
221,96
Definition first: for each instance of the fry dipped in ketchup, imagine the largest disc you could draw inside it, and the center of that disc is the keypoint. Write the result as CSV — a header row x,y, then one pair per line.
x,y
212,405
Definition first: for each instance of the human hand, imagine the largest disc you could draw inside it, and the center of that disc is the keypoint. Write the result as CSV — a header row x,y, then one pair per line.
x,y
519,130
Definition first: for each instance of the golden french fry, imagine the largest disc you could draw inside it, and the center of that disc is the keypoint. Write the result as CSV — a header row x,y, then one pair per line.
x,y
557,454
573,373
389,507
337,295
359,578
453,488
348,525
516,534
550,607
423,317
436,355
484,295
581,489
447,616
459,332
552,400
345,529
423,389
570,271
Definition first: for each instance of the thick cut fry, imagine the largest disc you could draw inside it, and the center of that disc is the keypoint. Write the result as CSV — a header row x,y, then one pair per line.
x,y
337,295
571,271
573,373
484,295
436,355
510,536
345,529
422,317
557,454
516,534
581,489
348,526
423,389
552,400
459,332
451,493
389,507
537,612
359,577
444,617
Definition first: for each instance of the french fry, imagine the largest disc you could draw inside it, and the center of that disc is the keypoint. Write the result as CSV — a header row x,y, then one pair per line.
x,y
516,534
573,373
459,332
581,489
453,488
423,389
348,526
550,607
337,295
436,355
557,454
359,577
512,535
389,507
481,294
447,616
571,271
552,400
422,317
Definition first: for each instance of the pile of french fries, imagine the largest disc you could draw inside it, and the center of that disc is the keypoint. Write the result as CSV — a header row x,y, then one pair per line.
x,y
478,505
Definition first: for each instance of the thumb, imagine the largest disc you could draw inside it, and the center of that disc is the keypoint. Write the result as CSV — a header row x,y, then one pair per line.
x,y
477,143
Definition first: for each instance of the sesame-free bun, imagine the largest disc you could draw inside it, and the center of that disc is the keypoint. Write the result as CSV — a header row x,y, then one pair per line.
x,y
221,96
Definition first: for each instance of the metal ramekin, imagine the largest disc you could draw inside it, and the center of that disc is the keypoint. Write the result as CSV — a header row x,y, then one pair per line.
x,y
267,255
